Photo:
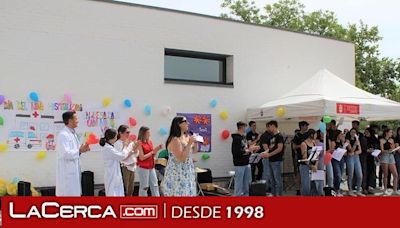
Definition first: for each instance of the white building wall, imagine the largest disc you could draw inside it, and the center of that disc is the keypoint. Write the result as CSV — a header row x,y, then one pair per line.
x,y
96,49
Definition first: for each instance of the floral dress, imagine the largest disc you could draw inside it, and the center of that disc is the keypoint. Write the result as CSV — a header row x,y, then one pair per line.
x,y
179,178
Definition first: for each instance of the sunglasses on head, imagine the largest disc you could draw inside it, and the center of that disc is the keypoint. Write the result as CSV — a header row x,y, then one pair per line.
x,y
183,121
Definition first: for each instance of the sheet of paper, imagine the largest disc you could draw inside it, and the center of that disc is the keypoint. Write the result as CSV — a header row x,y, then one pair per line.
x,y
199,138
319,175
254,158
376,153
395,149
338,154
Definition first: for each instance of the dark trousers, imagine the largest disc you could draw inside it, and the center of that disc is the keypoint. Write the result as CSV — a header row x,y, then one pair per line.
x,y
371,172
259,167
364,166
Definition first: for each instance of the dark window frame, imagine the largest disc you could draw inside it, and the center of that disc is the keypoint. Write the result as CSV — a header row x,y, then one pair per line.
x,y
198,55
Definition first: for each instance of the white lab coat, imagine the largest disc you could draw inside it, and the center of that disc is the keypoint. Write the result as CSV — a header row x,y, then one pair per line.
x,y
129,163
68,173
112,171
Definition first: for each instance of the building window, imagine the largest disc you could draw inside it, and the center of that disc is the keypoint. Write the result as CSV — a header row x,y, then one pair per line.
x,y
195,67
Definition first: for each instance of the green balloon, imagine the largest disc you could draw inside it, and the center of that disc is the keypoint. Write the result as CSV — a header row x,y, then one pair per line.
x,y
205,156
1,121
327,119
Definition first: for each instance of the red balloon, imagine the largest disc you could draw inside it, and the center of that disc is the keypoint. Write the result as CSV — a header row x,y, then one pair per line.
x,y
132,137
132,121
92,139
225,134
327,158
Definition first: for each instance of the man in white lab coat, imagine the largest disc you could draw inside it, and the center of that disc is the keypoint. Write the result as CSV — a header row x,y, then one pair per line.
x,y
69,149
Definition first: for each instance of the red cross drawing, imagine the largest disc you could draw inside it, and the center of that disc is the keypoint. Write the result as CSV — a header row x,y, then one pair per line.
x,y
35,114
17,140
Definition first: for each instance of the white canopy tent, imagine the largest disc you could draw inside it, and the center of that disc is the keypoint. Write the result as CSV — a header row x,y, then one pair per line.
x,y
327,94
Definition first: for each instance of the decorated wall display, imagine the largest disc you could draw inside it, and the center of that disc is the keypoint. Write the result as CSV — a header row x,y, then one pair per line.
x,y
200,124
33,126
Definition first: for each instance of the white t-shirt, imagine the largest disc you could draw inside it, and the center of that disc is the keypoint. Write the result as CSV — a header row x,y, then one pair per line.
x,y
129,163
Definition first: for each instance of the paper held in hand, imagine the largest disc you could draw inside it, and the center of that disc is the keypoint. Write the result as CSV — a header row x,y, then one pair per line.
x,y
395,149
338,154
376,153
314,154
199,138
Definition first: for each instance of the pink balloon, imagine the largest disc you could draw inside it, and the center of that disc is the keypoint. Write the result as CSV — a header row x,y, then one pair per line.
x,y
132,121
68,98
225,134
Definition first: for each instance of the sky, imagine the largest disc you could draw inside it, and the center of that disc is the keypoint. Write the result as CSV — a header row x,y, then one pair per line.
x,y
383,13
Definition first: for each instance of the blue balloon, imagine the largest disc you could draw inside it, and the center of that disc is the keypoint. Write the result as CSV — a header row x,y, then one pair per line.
x,y
147,110
34,96
128,103
213,103
322,127
163,131
15,180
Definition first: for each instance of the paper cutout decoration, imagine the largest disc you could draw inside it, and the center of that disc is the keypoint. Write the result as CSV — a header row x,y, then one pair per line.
x,y
205,156
106,102
1,121
163,131
92,139
213,103
34,96
67,98
3,147
225,134
41,155
147,110
127,103
223,115
2,99
280,112
327,119
132,121
132,137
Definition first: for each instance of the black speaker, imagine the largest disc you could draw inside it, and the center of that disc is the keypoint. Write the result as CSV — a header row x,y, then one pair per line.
x,y
102,192
24,188
258,188
87,183
48,192
205,177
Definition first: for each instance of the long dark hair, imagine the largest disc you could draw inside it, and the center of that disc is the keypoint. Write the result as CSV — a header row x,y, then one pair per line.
x,y
385,132
121,130
142,132
397,133
309,134
175,130
108,135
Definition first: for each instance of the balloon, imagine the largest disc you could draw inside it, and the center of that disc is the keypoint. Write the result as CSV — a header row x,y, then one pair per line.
x,y
68,98
205,156
225,134
327,119
34,96
147,110
3,147
132,121
327,158
213,103
106,102
322,127
92,139
132,137
2,99
127,103
15,180
223,115
167,111
1,121
41,155
163,131
280,112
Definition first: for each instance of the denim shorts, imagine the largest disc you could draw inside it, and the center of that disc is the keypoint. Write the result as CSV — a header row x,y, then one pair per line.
x,y
387,158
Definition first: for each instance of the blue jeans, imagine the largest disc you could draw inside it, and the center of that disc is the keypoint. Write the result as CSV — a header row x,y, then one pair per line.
x,y
276,177
242,180
329,174
305,180
337,173
354,166
267,172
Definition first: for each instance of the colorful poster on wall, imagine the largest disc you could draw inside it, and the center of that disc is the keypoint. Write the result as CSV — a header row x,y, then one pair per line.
x,y
200,124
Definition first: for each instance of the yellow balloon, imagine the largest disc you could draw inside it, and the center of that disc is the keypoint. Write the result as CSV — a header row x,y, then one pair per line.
x,y
106,102
224,115
41,155
3,147
280,112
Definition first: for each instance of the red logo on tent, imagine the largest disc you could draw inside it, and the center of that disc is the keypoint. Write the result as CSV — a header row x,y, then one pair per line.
x,y
342,108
